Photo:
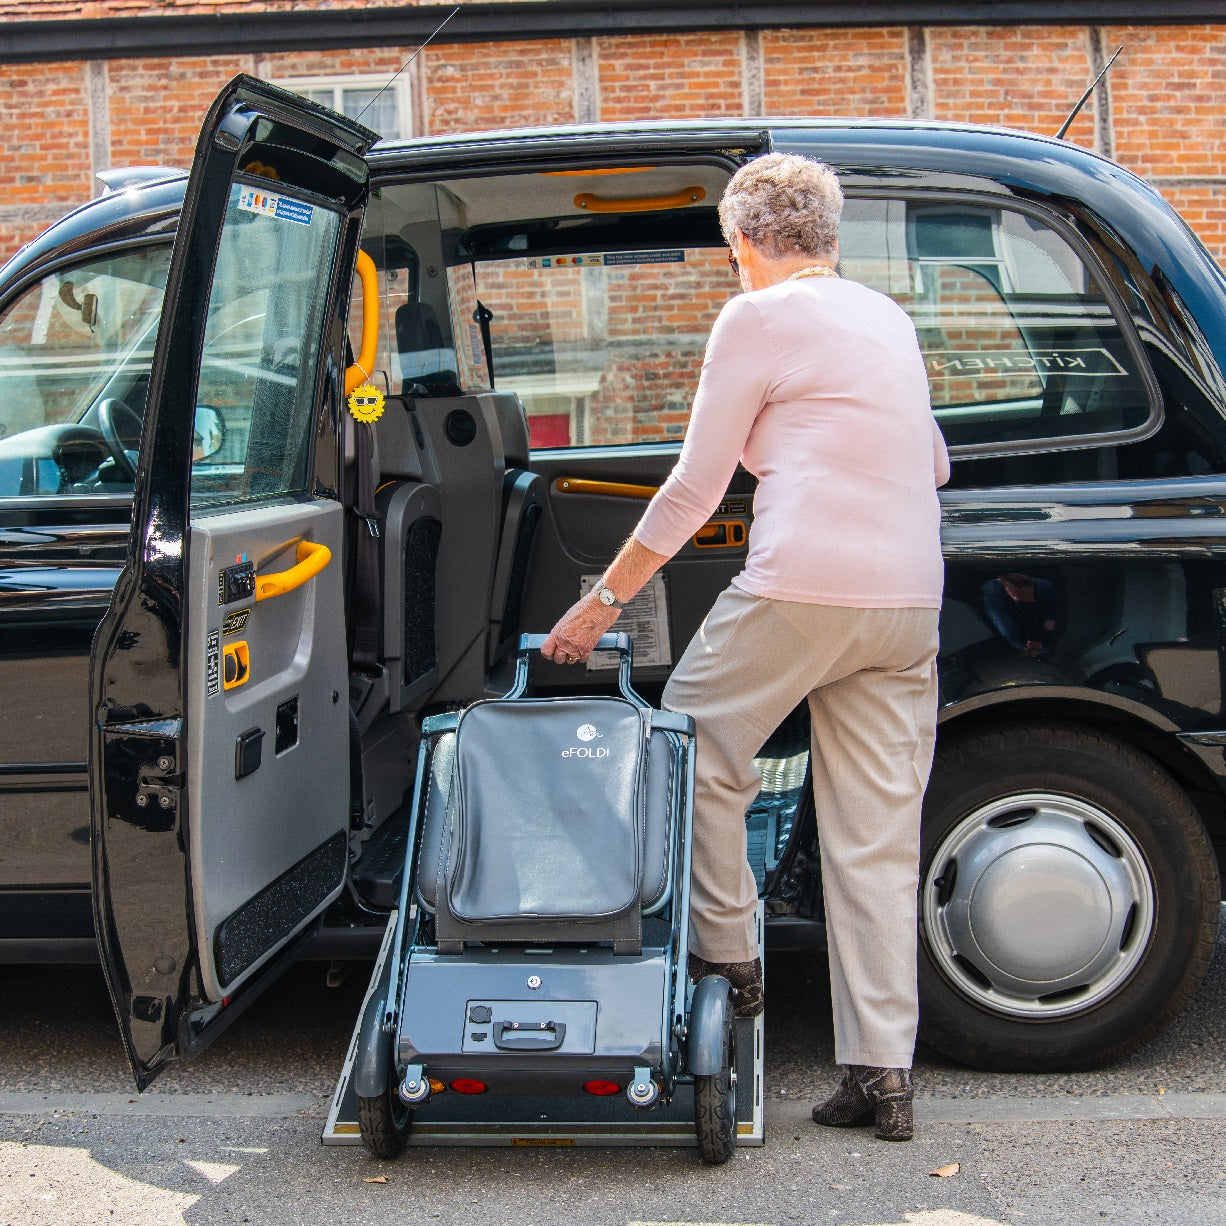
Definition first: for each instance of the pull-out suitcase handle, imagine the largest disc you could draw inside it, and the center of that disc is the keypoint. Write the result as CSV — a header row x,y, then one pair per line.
x,y
529,1036
613,641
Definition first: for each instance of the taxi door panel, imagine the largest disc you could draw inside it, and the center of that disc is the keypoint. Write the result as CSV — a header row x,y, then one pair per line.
x,y
594,499
267,780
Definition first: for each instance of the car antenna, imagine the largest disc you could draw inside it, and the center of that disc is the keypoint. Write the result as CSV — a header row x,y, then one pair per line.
x,y
1064,127
414,56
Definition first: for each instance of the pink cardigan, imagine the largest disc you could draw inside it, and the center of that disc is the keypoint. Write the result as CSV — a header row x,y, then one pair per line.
x,y
818,387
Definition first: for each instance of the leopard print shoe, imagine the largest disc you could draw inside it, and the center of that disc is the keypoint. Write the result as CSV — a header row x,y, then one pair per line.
x,y
745,978
847,1107
866,1095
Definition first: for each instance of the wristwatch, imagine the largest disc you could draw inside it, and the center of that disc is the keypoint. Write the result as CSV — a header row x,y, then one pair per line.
x,y
605,595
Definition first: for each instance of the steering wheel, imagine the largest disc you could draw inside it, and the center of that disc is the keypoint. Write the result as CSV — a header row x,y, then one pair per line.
x,y
117,422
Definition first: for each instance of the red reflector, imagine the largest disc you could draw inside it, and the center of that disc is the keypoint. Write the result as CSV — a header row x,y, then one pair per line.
x,y
602,1087
468,1085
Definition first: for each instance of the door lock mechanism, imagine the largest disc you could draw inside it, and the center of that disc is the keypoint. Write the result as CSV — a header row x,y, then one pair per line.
x,y
158,784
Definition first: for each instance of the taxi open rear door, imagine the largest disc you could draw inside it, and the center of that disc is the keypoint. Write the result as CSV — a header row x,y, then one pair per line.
x,y
219,747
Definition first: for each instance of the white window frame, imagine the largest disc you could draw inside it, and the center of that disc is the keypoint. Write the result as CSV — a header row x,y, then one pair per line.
x,y
399,89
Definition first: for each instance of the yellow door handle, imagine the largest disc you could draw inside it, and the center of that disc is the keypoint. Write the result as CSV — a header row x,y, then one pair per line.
x,y
312,558
236,665
720,534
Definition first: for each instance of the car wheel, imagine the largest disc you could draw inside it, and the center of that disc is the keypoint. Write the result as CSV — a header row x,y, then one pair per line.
x,y
1069,900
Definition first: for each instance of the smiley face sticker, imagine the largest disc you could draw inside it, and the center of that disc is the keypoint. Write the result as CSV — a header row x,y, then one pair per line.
x,y
365,403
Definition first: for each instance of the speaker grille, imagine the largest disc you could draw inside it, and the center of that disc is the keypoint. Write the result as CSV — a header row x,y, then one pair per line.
x,y
420,565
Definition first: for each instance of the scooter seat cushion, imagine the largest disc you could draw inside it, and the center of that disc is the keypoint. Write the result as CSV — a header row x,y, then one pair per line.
x,y
547,810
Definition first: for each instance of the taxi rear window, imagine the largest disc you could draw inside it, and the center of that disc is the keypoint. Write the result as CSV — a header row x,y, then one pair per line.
x,y
1021,343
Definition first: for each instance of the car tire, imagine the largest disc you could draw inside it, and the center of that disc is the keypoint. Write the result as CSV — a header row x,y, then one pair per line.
x,y
1069,899
385,1123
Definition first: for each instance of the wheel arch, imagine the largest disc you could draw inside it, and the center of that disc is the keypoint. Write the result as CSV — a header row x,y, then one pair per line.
x,y
1137,725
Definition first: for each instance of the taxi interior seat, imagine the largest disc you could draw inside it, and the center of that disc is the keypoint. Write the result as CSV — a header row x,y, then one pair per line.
x,y
477,447
409,507
523,504
427,365
457,512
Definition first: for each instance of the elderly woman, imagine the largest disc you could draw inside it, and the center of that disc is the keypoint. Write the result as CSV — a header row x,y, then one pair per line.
x,y
817,386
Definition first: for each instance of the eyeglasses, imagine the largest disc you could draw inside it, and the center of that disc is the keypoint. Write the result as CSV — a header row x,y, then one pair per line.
x,y
734,263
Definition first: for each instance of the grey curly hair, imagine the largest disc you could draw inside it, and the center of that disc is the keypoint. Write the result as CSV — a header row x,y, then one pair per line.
x,y
784,204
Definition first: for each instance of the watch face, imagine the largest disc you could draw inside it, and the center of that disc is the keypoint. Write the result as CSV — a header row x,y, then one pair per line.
x,y
605,596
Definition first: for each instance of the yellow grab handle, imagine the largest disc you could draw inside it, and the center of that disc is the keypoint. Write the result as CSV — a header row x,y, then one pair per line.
x,y
359,372
606,489
312,558
592,203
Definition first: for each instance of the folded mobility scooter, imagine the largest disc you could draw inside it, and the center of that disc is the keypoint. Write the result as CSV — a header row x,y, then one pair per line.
x,y
538,953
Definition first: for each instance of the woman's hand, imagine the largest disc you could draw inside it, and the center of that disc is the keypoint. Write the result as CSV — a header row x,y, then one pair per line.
x,y
578,630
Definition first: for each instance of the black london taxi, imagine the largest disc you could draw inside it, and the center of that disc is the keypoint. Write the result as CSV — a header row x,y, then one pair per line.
x,y
292,449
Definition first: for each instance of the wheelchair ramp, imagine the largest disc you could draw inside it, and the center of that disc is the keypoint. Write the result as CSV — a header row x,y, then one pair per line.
x,y
509,1120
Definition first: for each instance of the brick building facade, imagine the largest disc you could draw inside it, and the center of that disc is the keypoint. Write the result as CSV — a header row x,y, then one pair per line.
x,y
89,86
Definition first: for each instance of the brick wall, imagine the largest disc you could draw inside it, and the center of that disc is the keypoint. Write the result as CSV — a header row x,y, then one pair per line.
x,y
155,106
46,167
1020,77
834,72
1168,102
679,77
1162,115
500,85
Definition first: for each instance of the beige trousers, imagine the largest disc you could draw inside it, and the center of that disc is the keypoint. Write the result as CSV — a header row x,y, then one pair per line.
x,y
870,679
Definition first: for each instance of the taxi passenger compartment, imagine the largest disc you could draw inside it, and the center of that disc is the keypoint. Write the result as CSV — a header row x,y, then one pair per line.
x,y
454,499
475,447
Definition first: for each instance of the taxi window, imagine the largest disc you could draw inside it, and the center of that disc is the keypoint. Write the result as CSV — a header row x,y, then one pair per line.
x,y
262,338
78,338
1021,343
603,347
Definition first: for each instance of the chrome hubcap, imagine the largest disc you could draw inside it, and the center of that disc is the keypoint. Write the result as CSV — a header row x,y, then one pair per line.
x,y
1038,905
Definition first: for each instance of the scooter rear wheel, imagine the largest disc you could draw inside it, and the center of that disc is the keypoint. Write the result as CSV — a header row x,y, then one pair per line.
x,y
385,1122
715,1103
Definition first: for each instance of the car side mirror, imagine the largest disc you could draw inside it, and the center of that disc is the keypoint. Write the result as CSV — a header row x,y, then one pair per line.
x,y
208,433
